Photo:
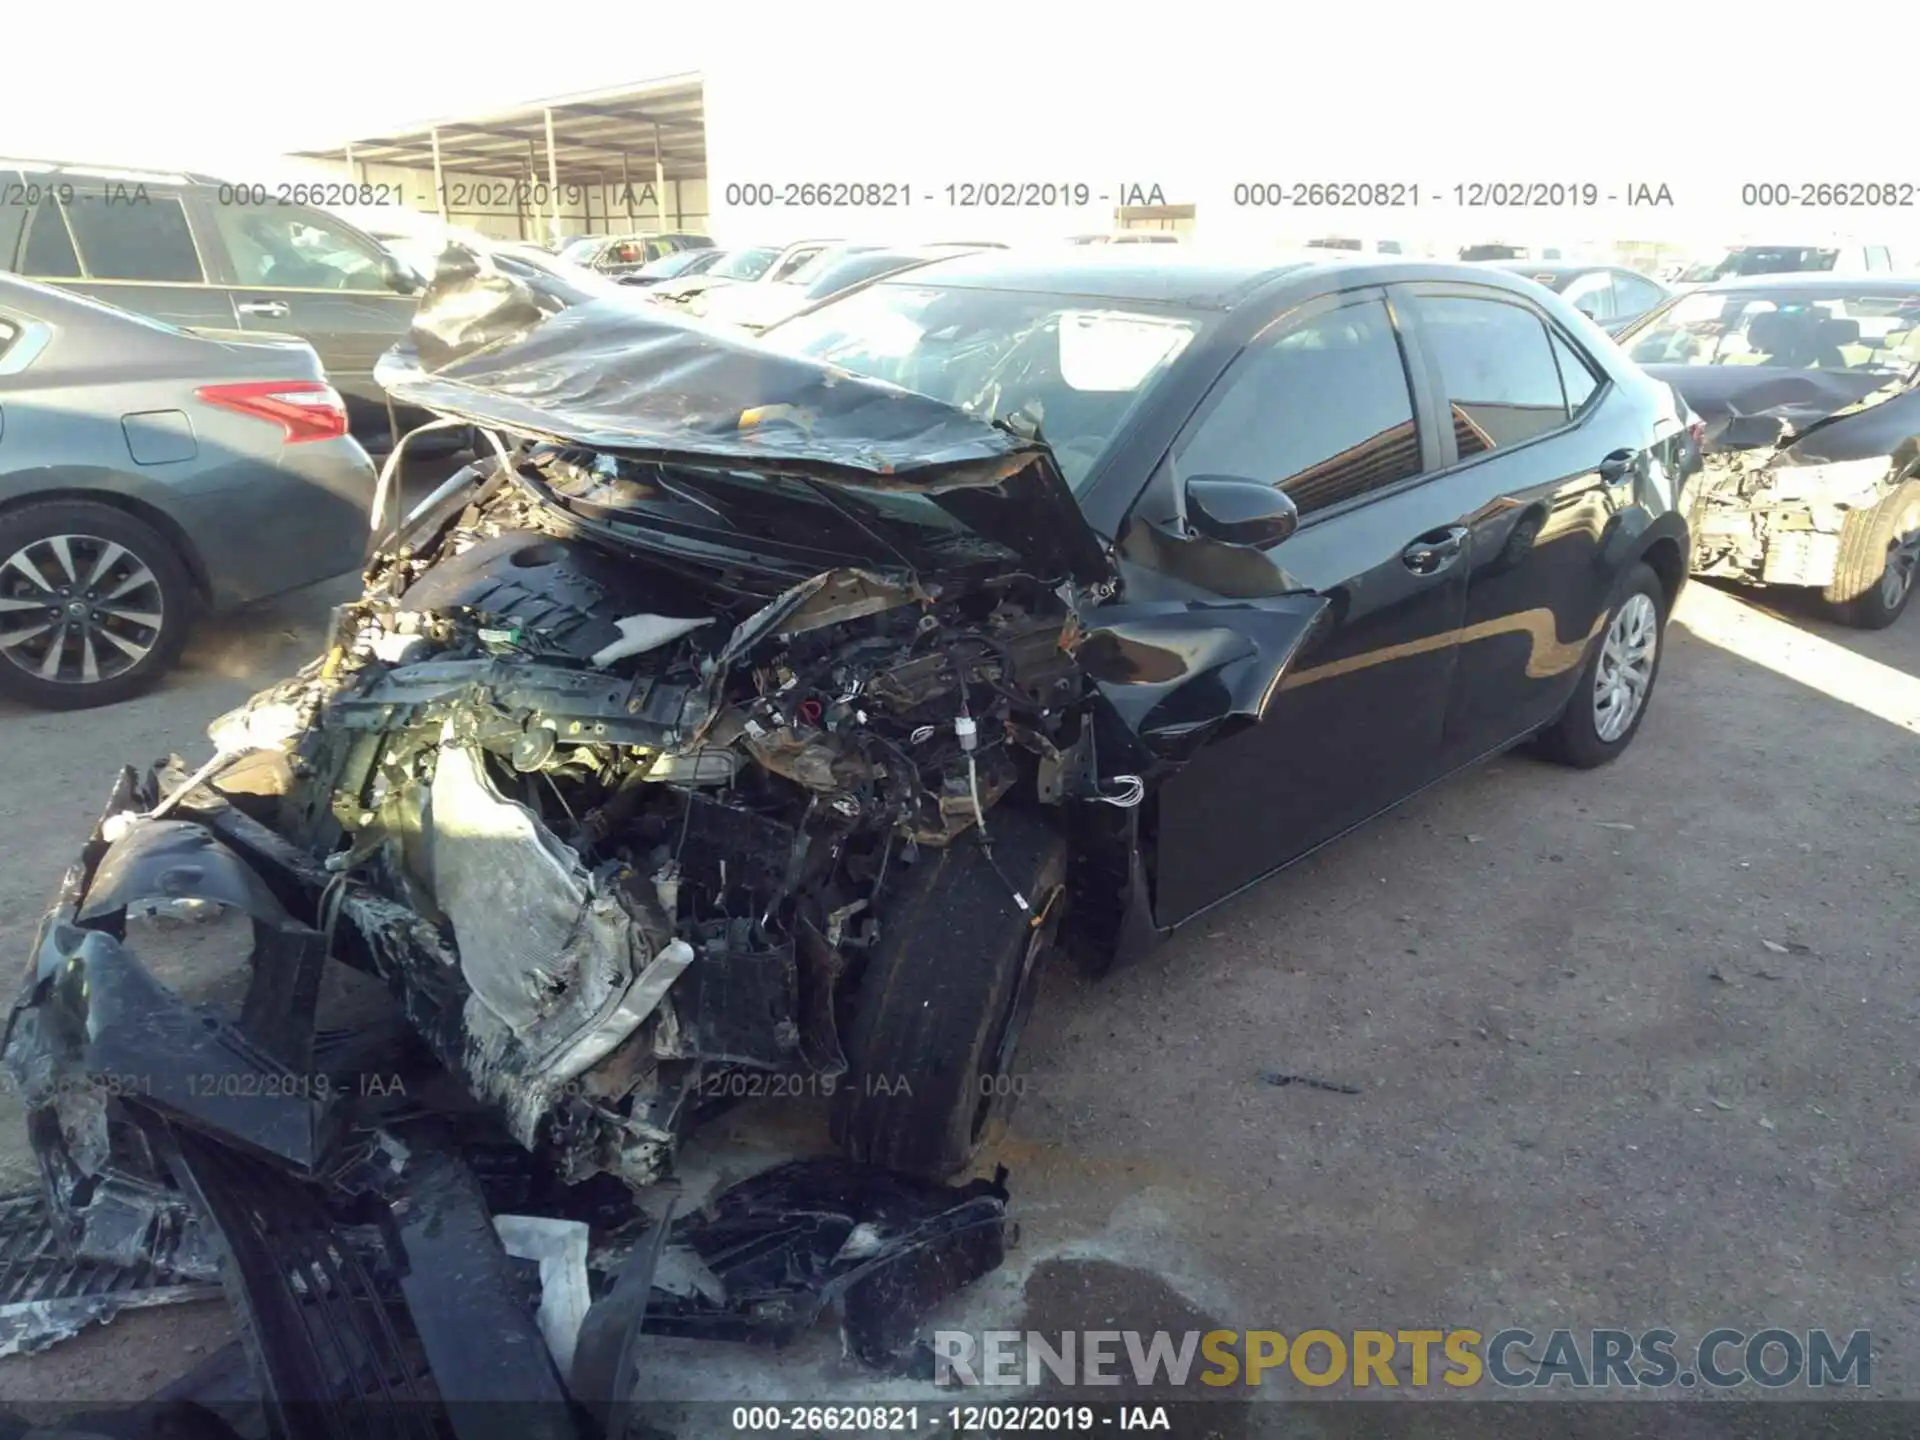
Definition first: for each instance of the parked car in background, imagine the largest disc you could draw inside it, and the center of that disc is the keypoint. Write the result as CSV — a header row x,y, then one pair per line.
x,y
734,267
680,265
1126,237
1739,260
422,253
149,472
1611,296
197,252
625,254
755,307
699,294
1806,387
1355,247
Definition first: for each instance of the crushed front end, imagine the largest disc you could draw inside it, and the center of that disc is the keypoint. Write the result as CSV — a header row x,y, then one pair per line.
x,y
642,817
1789,458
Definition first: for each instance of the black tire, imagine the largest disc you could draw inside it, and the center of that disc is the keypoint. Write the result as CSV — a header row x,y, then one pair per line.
x,y
1875,575
1575,738
127,655
944,997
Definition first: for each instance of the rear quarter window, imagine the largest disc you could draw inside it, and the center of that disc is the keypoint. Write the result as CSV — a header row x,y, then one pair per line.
x,y
1497,365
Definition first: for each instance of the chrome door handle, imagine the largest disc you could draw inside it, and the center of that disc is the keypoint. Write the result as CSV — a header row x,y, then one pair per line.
x,y
1435,550
1616,467
274,309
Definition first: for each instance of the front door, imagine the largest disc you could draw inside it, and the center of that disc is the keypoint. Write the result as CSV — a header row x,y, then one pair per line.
x,y
1321,407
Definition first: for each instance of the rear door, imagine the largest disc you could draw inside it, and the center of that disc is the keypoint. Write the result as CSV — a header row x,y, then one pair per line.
x,y
127,243
1540,459
292,270
1321,407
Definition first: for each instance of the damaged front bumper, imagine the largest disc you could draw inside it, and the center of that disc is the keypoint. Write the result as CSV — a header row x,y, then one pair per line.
x,y
364,1239
1766,517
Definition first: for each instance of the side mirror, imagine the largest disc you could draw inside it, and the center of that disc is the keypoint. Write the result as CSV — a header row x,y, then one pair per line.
x,y
400,279
1237,511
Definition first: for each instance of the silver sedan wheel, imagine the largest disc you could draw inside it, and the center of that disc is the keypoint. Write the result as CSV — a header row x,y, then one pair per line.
x,y
77,610
1621,680
1903,559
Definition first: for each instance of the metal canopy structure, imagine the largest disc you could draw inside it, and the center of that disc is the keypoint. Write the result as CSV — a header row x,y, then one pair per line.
x,y
633,136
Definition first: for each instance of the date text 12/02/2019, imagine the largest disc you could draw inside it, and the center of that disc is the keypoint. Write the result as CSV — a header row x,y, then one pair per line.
x,y
1468,195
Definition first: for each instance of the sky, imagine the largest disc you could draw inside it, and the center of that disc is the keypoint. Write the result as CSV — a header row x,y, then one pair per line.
x,y
1699,95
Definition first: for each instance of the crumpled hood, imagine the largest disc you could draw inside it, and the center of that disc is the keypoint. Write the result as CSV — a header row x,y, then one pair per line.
x,y
626,377
1746,406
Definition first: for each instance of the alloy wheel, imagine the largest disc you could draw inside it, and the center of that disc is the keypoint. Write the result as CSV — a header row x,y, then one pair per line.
x,y
1903,561
77,609
1625,671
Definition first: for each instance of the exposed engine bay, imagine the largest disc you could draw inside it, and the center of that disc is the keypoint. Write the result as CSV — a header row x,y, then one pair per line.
x,y
653,815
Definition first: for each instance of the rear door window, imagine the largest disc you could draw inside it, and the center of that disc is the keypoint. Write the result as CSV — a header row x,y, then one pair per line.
x,y
1322,412
1497,369
147,238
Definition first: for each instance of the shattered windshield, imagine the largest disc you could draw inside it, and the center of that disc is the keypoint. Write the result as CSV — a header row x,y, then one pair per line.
x,y
1068,369
1761,260
1863,333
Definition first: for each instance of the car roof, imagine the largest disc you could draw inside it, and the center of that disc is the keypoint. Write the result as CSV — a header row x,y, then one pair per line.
x,y
106,171
1814,282
1547,267
1191,275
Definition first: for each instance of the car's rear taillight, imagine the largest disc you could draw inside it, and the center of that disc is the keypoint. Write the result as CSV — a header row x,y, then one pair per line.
x,y
303,409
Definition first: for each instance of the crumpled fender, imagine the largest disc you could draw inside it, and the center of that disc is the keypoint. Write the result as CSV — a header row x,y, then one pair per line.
x,y
1175,673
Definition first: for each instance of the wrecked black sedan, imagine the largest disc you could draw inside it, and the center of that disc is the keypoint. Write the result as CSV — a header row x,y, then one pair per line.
x,y
770,710
1808,388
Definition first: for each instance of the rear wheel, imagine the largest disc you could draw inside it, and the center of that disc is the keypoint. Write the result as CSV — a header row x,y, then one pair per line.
x,y
944,999
94,605
1879,561
1611,699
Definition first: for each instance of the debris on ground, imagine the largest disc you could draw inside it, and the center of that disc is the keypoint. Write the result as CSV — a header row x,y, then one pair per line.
x,y
1274,1077
45,1299
387,1259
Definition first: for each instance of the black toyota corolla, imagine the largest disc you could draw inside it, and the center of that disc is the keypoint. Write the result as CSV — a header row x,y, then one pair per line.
x,y
760,716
